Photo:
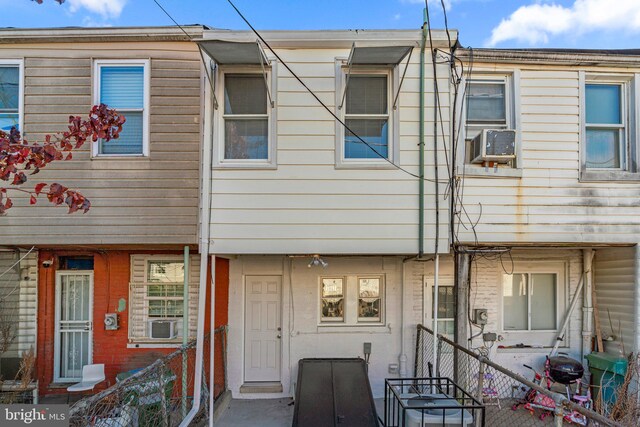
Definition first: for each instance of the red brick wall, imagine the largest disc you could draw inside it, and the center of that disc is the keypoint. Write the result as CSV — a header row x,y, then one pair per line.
x,y
222,318
111,283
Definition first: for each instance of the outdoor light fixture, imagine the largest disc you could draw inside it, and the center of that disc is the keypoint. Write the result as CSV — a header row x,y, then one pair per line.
x,y
317,261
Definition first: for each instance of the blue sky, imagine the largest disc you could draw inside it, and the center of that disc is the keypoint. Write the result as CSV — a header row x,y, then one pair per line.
x,y
482,23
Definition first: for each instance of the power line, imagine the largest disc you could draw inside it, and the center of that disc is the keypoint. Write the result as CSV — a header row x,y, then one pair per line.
x,y
342,123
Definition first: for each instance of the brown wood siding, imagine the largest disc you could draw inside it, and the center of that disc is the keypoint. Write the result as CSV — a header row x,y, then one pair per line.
x,y
146,200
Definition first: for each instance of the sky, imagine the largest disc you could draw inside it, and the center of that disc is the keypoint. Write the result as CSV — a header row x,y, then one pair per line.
x,y
589,24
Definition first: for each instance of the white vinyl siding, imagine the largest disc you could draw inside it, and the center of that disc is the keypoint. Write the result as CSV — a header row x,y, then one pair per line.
x,y
18,295
616,284
144,292
311,205
551,202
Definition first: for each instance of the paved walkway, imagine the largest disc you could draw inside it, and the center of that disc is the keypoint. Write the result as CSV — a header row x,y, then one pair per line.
x,y
258,412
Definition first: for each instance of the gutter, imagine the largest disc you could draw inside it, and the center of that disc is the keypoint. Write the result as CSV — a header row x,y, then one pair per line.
x,y
205,213
423,45
581,58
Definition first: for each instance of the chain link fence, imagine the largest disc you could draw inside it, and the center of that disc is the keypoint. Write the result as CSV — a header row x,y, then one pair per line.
x,y
160,395
509,398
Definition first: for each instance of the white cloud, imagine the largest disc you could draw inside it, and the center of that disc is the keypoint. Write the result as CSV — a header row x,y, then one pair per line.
x,y
105,8
536,23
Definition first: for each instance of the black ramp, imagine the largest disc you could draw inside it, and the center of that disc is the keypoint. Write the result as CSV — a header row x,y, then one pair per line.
x,y
333,392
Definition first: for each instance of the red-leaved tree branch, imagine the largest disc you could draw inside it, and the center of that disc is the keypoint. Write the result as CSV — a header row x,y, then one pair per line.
x,y
17,155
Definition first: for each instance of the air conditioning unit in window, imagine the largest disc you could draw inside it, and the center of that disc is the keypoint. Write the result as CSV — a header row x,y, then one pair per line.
x,y
163,329
494,145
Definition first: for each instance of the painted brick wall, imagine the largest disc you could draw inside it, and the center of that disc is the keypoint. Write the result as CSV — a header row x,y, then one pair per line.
x,y
111,283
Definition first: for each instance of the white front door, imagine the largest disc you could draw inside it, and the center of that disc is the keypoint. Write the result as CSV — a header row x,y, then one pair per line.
x,y
74,325
263,333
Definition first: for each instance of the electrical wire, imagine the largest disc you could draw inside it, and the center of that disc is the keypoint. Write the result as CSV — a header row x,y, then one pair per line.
x,y
342,123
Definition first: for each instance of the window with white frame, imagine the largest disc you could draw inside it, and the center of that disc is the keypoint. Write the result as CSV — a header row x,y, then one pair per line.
x,y
246,119
446,310
489,104
529,301
366,113
605,126
610,114
156,298
123,85
365,96
10,95
351,300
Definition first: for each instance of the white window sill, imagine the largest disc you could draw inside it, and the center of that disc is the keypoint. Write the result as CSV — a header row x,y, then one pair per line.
x,y
120,157
608,175
147,344
245,166
381,165
490,172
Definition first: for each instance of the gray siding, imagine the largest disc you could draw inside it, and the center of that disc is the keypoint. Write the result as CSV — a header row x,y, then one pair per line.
x,y
145,200
18,298
616,285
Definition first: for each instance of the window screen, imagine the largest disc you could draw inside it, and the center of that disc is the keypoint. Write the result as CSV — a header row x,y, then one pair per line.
x,y
122,88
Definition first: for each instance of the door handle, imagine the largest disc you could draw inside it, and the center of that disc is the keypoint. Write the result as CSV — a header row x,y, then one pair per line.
x,y
278,336
88,326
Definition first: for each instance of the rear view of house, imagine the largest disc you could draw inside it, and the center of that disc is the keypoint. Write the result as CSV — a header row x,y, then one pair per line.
x,y
105,287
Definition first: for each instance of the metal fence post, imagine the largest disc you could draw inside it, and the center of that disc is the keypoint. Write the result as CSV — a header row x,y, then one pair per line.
x,y
558,415
480,392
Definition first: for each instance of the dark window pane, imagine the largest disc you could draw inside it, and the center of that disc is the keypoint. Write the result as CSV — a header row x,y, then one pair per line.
x,y
246,139
245,94
367,95
9,88
486,102
373,131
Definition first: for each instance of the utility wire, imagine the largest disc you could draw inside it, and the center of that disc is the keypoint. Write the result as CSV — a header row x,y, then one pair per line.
x,y
342,123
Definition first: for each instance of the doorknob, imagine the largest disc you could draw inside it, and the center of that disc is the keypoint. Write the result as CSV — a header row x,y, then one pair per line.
x,y
278,336
87,326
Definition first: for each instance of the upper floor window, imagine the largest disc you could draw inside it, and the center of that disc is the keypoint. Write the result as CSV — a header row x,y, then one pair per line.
x,y
246,117
605,126
123,85
609,109
367,115
490,105
10,95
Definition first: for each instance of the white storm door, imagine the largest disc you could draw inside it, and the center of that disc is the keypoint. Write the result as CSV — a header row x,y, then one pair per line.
x,y
263,333
74,325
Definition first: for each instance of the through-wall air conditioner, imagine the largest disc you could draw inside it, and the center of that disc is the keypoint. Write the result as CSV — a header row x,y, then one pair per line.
x,y
494,145
163,329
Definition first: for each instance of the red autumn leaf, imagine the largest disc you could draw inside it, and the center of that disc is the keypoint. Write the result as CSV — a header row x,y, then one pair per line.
x,y
32,200
39,187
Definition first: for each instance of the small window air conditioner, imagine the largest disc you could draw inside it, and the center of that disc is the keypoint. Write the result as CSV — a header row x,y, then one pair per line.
x,y
494,145
163,329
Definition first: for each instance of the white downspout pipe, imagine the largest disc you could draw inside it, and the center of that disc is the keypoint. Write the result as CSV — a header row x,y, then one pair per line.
x,y
402,358
436,282
587,299
212,345
203,247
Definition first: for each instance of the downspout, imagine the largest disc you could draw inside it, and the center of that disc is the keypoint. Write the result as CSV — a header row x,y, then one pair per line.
x,y
185,328
587,299
423,44
203,249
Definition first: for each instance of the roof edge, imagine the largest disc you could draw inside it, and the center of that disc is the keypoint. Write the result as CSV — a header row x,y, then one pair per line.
x,y
107,34
628,58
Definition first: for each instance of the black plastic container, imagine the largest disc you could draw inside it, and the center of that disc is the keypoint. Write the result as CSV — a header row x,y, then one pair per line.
x,y
565,370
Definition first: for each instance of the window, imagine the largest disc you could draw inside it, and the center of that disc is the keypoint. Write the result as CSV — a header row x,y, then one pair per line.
x,y
10,95
529,301
247,116
605,126
365,96
610,114
123,85
446,310
367,115
157,294
332,300
490,103
369,299
351,300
